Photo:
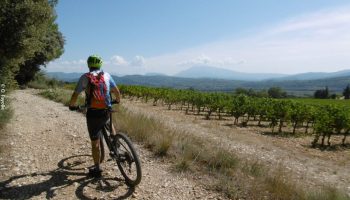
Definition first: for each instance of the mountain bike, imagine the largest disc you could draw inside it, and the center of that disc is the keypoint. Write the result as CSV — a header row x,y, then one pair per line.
x,y
121,150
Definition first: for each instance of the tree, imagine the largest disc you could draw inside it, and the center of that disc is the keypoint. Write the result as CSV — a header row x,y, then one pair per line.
x,y
241,90
28,37
276,92
53,49
322,94
346,92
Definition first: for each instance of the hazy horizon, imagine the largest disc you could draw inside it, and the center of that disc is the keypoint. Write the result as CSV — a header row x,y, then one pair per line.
x,y
156,73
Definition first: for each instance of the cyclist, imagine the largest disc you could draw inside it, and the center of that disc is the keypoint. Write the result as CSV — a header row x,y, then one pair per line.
x,y
97,86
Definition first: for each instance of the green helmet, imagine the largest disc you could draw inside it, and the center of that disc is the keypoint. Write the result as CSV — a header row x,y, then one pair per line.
x,y
94,61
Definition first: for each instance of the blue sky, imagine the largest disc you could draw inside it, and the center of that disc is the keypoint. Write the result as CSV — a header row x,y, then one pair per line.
x,y
163,36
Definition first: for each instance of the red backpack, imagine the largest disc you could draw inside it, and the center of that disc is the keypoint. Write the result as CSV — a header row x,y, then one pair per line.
x,y
97,91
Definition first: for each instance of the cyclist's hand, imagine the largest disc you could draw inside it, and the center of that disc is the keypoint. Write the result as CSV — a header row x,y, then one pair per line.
x,y
115,102
72,108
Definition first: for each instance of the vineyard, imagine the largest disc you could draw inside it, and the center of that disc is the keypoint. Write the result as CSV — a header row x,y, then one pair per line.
x,y
292,116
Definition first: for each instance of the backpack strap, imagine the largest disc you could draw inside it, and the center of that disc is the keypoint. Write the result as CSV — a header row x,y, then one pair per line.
x,y
89,86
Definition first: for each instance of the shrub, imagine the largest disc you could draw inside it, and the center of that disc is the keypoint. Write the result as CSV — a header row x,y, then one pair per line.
x,y
41,81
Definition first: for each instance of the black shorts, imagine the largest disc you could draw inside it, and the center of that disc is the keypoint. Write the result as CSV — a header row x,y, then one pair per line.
x,y
96,119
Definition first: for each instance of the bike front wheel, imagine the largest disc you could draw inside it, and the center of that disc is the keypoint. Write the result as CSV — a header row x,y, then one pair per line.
x,y
128,161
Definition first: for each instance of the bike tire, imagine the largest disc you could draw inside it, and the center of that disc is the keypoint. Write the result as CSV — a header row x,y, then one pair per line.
x,y
124,141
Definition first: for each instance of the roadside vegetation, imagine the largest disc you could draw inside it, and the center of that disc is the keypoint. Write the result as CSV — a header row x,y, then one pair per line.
x,y
236,177
40,81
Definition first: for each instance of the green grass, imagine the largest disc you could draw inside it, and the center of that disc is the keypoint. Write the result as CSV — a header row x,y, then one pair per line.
x,y
70,86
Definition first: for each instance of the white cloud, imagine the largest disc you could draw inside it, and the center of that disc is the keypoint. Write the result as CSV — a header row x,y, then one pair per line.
x,y
65,63
325,19
120,66
115,65
208,61
67,66
71,62
118,61
138,61
199,60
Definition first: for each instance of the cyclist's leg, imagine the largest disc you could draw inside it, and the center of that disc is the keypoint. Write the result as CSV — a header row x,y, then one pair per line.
x,y
96,153
95,122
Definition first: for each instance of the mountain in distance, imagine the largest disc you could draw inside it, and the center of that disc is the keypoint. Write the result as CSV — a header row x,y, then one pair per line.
x,y
316,75
63,76
220,73
74,76
155,74
296,87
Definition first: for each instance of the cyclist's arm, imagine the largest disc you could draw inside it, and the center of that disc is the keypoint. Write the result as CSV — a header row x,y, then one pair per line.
x,y
73,99
116,93
82,83
114,89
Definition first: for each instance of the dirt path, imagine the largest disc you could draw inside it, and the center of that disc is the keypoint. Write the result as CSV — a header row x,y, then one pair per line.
x,y
307,165
47,155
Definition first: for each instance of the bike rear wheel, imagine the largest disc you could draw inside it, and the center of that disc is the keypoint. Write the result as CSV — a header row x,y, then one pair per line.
x,y
128,161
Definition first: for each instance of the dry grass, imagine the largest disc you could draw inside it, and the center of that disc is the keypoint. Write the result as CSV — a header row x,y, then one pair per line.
x,y
144,130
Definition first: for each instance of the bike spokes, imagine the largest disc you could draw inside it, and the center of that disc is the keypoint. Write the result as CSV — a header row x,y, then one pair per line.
x,y
128,161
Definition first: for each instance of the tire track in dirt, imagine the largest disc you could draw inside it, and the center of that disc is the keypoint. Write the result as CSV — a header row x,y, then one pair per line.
x,y
47,155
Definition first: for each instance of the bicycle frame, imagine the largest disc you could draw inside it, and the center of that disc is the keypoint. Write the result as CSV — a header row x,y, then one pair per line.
x,y
107,138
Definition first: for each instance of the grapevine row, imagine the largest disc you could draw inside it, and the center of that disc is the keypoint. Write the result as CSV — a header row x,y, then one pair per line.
x,y
324,121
